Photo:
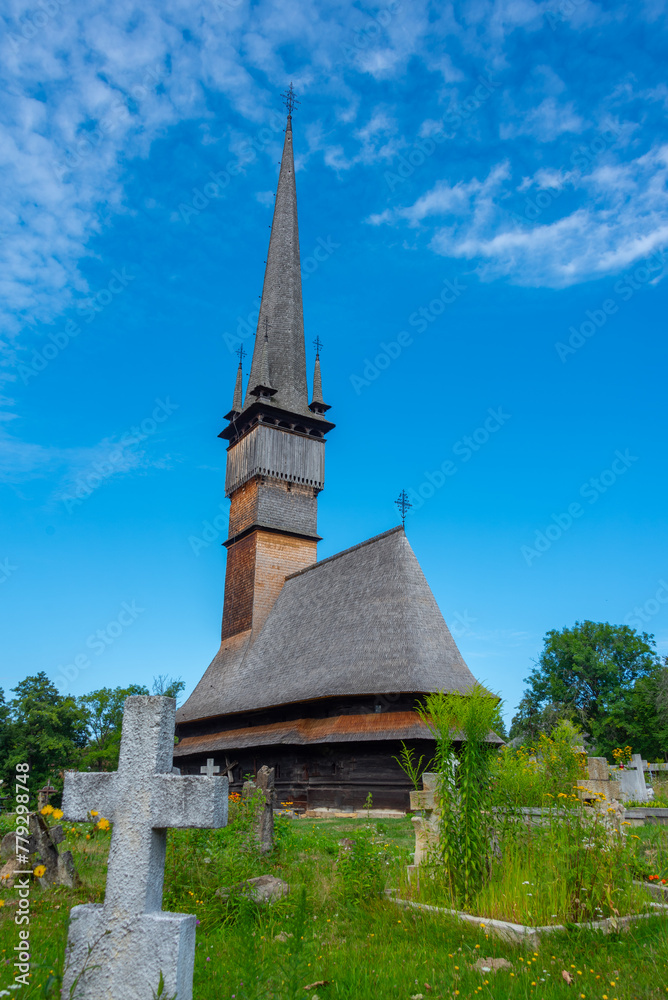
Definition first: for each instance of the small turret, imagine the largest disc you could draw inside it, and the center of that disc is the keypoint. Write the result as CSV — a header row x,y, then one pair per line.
x,y
317,404
263,389
237,402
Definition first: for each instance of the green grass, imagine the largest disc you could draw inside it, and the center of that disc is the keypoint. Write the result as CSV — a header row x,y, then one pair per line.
x,y
569,871
366,948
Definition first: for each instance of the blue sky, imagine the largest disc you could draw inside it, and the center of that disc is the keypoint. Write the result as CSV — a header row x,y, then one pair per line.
x,y
484,235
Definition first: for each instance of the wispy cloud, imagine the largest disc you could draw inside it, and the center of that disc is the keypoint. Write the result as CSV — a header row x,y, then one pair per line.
x,y
620,216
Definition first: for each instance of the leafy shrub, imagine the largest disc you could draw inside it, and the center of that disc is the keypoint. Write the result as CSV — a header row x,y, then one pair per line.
x,y
464,790
363,866
528,774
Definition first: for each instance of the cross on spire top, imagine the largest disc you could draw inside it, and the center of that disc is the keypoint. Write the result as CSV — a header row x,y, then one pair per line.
x,y
317,343
404,505
289,99
241,353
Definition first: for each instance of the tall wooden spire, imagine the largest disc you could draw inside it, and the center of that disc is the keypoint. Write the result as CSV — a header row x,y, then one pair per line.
x,y
276,453
281,310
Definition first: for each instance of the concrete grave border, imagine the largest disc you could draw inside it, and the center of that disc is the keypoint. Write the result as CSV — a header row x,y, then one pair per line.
x,y
523,932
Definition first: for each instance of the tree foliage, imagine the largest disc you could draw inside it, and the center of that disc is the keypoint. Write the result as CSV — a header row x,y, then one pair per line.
x,y
53,732
594,674
42,728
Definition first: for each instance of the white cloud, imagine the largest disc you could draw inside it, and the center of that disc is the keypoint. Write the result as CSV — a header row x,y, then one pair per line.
x,y
77,471
545,122
621,219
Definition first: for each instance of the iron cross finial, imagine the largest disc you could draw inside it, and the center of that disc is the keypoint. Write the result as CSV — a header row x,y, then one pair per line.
x,y
404,505
317,343
241,354
289,99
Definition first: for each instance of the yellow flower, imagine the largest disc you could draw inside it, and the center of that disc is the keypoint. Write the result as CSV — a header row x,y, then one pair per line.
x,y
562,795
2,902
57,813
94,812
102,824
39,871
88,836
46,810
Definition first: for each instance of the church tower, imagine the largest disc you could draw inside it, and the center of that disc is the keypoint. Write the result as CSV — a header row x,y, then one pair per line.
x,y
322,665
276,453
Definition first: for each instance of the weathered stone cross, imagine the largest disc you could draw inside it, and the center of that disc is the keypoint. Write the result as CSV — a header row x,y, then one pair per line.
x,y
209,768
119,949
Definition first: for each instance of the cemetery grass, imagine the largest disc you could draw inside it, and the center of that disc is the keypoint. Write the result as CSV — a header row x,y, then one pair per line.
x,y
335,929
558,874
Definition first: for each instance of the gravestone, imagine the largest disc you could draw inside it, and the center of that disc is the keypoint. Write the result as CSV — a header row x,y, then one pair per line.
x,y
44,841
265,821
598,780
118,950
426,825
631,778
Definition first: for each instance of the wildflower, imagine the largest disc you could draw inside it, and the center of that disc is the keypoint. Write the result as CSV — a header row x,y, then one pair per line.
x,y
39,871
2,902
102,824
88,836
94,812
46,810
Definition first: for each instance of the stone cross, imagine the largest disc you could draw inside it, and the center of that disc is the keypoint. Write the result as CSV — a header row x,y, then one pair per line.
x,y
120,949
427,824
265,821
209,768
44,794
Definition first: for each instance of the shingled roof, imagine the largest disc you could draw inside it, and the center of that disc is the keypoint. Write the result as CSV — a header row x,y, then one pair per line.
x,y
363,622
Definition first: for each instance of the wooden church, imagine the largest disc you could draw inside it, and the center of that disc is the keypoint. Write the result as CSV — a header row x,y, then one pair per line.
x,y
321,664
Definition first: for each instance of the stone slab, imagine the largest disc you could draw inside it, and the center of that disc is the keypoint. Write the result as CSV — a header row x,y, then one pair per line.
x,y
127,955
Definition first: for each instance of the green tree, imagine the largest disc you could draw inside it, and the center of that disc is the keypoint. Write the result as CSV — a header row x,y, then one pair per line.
x,y
103,710
104,719
587,674
647,726
42,728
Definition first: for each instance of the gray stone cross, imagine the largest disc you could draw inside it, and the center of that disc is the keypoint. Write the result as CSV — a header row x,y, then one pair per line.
x,y
120,948
209,768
